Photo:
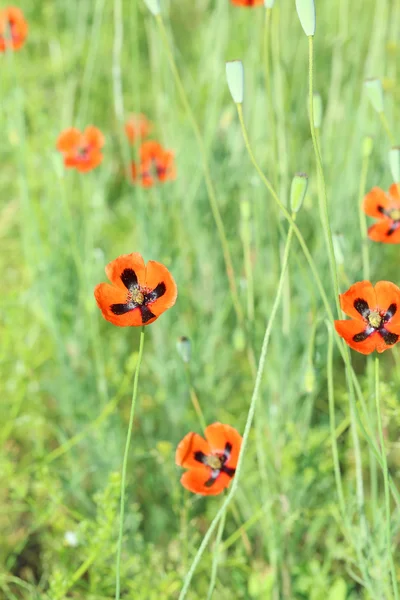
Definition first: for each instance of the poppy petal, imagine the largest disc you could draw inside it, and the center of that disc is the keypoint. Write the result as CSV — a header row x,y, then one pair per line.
x,y
92,161
350,328
195,481
127,263
156,275
94,137
248,3
388,298
150,150
389,339
384,231
358,297
185,452
375,202
219,435
394,192
108,296
69,139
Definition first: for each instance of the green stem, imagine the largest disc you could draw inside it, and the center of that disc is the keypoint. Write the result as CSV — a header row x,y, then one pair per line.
x,y
249,421
363,220
214,569
386,127
124,467
386,483
207,176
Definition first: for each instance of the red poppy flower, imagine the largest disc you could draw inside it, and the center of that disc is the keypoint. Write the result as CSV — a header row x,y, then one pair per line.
x,y
82,151
139,293
247,2
385,207
156,164
13,29
211,464
137,127
375,312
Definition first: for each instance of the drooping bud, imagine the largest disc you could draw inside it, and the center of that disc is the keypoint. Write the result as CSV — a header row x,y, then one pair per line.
x,y
235,79
374,90
367,145
317,102
306,11
153,6
394,161
298,191
269,3
184,348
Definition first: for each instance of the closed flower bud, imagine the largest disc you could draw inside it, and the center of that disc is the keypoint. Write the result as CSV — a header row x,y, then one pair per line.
x,y
306,11
317,102
367,145
245,210
394,161
235,79
153,6
374,90
184,348
298,191
309,379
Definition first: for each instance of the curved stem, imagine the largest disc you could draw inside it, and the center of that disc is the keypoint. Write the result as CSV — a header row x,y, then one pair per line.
x,y
386,483
124,467
214,569
249,421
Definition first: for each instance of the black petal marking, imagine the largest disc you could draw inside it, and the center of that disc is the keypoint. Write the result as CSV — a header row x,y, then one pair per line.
x,y
389,337
228,470
146,314
213,478
362,307
391,311
156,293
361,337
122,309
129,279
227,451
200,456
381,209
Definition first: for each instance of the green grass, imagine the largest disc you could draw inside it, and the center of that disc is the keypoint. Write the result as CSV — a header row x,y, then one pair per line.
x,y
62,364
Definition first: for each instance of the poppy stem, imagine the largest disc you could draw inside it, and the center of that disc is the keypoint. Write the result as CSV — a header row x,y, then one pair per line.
x,y
363,219
249,420
214,568
194,398
386,482
124,467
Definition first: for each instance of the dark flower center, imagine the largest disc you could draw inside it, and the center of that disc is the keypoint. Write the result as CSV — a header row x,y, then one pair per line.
x,y
375,322
217,463
137,296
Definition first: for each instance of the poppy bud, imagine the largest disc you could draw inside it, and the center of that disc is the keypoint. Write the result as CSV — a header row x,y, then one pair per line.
x,y
394,161
184,348
317,104
153,6
306,12
367,146
309,379
269,3
235,79
374,91
298,191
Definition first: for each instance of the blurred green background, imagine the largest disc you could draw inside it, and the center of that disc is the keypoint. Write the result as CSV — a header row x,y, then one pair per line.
x,y
62,366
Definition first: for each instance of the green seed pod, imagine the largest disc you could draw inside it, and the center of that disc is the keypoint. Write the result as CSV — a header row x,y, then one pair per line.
x,y
184,348
298,191
235,79
269,3
306,12
367,146
394,161
374,90
317,104
153,6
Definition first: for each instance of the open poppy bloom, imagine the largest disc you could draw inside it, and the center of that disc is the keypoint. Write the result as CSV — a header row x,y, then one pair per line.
x,y
375,312
385,207
137,127
247,2
139,293
82,151
13,29
211,462
156,164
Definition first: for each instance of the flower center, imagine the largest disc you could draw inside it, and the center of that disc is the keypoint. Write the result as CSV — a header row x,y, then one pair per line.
x,y
137,296
374,319
395,214
213,461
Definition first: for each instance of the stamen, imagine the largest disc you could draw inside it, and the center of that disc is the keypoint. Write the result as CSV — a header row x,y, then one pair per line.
x,y
213,461
375,319
395,214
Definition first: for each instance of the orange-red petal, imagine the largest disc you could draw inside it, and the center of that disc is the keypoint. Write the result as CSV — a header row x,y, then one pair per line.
x,y
387,294
375,201
133,261
349,328
247,2
191,443
194,480
92,161
69,140
363,290
379,232
106,295
157,273
14,16
94,137
218,435
394,193
150,150
137,127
